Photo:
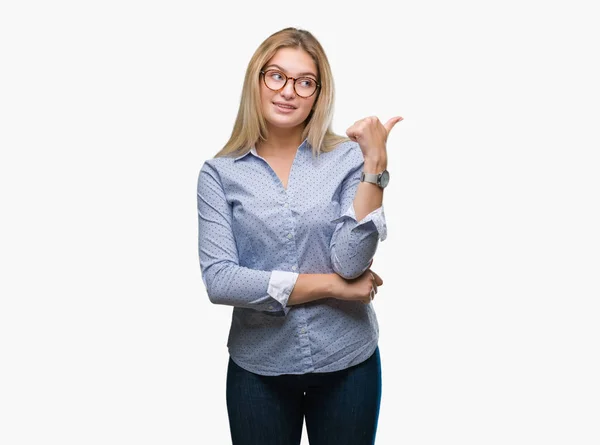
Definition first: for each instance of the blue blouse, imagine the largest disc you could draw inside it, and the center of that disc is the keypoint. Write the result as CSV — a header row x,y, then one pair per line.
x,y
255,237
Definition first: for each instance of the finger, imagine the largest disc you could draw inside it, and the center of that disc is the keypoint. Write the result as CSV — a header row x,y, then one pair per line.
x,y
373,282
350,134
390,123
378,279
350,131
354,131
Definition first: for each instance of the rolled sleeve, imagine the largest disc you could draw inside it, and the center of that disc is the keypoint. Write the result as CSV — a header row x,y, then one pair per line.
x,y
377,216
280,287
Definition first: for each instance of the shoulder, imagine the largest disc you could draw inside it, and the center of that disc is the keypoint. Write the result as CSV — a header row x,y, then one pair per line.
x,y
219,162
214,169
219,165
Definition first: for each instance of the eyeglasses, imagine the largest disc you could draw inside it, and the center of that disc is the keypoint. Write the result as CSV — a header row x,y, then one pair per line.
x,y
303,86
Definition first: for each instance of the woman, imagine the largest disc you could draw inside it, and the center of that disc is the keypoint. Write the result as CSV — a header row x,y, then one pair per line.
x,y
288,227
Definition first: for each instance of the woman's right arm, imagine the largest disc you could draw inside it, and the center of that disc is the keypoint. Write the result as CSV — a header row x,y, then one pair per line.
x,y
225,280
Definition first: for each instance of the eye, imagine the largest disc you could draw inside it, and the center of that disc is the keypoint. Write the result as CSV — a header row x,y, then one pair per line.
x,y
307,82
275,75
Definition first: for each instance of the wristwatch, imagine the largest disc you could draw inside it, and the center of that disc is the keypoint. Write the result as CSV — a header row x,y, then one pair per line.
x,y
381,179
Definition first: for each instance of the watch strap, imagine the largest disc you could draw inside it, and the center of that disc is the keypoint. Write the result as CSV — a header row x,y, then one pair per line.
x,y
369,177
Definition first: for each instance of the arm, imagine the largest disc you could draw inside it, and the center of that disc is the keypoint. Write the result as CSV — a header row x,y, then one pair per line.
x,y
311,287
369,196
314,286
355,239
225,280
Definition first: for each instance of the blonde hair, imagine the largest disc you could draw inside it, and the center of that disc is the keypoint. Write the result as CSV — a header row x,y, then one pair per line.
x,y
250,125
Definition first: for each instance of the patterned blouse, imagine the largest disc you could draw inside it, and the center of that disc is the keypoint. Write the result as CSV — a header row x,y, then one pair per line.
x,y
255,237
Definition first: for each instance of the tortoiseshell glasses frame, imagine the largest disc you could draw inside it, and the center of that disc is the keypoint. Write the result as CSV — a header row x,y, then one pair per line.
x,y
286,78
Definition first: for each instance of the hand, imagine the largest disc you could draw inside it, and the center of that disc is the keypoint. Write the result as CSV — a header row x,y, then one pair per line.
x,y
363,288
372,136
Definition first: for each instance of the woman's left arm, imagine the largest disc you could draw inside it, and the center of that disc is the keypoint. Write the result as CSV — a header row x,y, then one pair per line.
x,y
369,196
360,226
355,240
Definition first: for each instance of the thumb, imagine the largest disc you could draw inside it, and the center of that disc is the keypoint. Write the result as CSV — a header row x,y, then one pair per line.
x,y
390,123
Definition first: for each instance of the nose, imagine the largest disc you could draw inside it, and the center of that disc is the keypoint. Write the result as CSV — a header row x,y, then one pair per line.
x,y
288,89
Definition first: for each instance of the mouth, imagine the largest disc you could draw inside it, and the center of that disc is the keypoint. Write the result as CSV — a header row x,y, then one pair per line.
x,y
284,107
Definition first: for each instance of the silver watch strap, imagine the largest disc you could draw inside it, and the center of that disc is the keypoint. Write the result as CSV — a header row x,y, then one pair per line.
x,y
370,177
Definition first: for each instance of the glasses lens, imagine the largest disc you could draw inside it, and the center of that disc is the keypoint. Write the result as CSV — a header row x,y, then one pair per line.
x,y
274,79
305,86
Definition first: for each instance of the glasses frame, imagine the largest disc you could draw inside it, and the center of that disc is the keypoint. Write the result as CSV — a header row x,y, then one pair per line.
x,y
263,72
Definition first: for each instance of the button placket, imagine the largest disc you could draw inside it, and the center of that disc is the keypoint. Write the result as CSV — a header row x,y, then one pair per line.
x,y
290,234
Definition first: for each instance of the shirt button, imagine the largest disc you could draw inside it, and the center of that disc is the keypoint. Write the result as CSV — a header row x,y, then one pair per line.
x,y
290,235
286,204
294,268
302,330
270,306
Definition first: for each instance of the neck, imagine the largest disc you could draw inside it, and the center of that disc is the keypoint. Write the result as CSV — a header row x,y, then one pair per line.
x,y
282,142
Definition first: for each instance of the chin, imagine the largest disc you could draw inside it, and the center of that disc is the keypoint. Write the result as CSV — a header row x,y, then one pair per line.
x,y
284,123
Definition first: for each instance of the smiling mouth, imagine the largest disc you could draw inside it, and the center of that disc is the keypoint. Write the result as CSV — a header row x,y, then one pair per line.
x,y
286,107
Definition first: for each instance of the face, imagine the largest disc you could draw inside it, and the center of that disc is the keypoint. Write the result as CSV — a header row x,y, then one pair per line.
x,y
292,62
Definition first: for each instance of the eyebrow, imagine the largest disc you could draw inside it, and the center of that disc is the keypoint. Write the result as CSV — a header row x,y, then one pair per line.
x,y
301,74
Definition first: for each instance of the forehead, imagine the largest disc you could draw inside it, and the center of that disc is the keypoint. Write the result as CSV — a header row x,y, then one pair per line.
x,y
293,61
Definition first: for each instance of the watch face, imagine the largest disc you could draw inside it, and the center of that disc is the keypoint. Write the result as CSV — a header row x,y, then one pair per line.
x,y
385,178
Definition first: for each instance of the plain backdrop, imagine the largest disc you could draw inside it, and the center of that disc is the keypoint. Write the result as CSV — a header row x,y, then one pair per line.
x,y
489,311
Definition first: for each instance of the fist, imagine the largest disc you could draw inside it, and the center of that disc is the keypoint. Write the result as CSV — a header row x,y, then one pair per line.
x,y
372,135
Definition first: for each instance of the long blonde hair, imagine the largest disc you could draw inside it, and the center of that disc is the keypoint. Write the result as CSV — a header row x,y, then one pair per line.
x,y
250,125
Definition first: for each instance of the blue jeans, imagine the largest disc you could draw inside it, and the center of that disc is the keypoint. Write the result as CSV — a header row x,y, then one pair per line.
x,y
341,407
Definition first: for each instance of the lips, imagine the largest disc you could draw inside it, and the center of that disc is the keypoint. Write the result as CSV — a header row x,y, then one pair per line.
x,y
286,106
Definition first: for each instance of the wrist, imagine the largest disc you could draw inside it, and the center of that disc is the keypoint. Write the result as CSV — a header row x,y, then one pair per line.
x,y
375,164
332,285
336,286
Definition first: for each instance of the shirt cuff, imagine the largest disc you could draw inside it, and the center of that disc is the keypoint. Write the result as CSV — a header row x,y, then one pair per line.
x,y
377,216
280,287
